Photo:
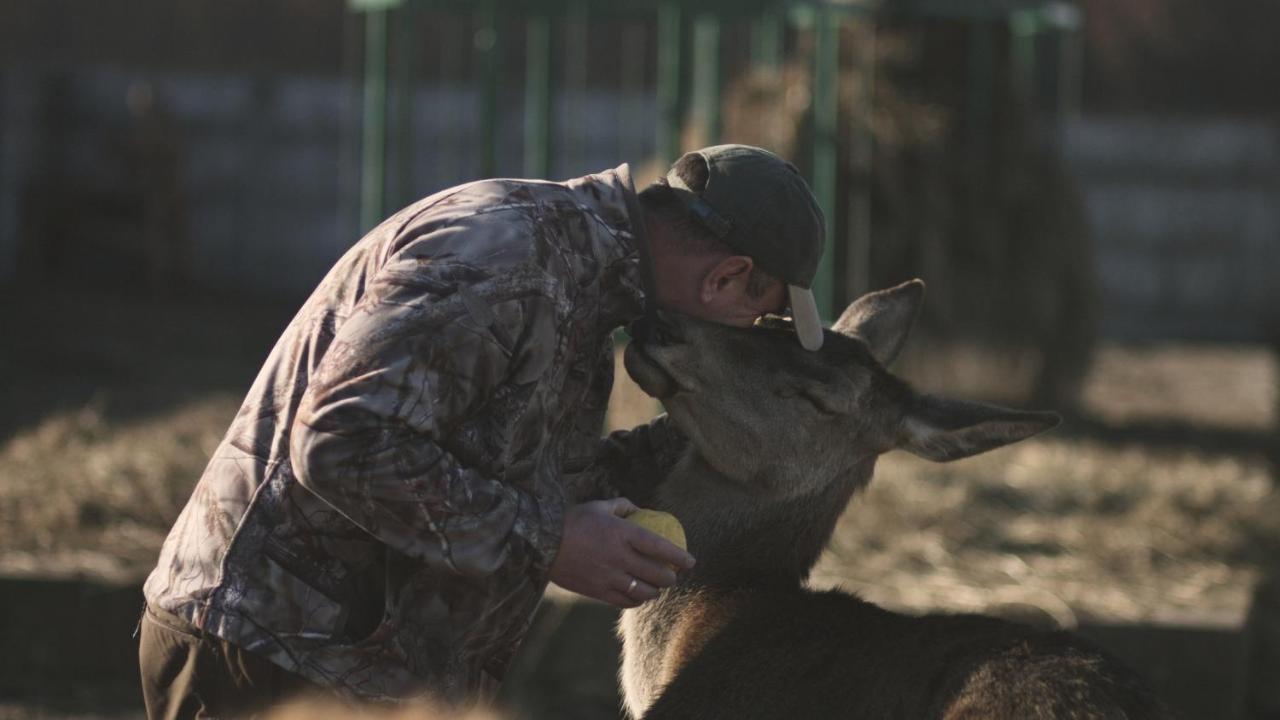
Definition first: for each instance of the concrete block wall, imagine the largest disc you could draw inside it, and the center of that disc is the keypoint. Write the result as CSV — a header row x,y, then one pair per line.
x,y
1186,219
269,165
1185,212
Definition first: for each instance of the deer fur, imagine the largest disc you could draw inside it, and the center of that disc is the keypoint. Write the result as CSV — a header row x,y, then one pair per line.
x,y
779,441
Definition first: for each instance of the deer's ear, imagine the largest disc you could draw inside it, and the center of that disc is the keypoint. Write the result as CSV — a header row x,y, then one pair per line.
x,y
941,430
883,319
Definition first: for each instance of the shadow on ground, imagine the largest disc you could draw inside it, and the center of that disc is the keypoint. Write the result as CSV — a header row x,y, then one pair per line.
x,y
70,653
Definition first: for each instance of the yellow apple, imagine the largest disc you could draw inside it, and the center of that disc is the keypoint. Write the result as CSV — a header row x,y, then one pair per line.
x,y
664,524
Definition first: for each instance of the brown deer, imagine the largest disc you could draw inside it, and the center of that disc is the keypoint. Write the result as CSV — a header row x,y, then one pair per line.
x,y
779,440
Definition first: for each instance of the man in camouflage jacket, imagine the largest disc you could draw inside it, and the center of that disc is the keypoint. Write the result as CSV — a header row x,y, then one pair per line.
x,y
398,487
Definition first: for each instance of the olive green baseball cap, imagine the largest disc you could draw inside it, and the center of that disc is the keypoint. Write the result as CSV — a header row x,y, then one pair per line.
x,y
759,205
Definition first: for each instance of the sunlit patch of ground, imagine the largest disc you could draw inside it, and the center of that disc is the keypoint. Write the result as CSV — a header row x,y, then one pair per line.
x,y
1227,387
1073,527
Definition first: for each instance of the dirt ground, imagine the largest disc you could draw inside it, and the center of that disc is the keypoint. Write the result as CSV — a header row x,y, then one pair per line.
x,y
1158,504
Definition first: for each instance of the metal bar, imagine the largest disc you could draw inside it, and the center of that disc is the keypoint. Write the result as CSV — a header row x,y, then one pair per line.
x,y
826,110
707,77
632,128
669,72
374,121
449,57
403,75
572,151
486,45
766,41
1024,25
537,98
1070,40
862,160
980,104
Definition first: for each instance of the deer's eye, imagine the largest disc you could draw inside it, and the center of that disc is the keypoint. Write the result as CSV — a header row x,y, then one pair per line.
x,y
821,402
812,395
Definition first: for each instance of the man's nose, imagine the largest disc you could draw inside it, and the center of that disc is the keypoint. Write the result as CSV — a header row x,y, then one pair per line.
x,y
657,329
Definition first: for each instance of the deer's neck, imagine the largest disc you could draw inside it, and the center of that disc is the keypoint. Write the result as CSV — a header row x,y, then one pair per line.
x,y
742,543
745,536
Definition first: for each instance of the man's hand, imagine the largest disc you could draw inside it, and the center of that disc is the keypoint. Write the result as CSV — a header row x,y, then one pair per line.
x,y
600,554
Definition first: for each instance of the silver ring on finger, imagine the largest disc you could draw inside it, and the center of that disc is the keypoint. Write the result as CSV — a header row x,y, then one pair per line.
x,y
632,587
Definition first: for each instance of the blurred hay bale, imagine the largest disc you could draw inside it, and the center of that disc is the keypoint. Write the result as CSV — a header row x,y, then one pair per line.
x,y
82,494
320,709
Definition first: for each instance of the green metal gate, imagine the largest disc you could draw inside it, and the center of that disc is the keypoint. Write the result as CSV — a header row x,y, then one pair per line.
x,y
687,68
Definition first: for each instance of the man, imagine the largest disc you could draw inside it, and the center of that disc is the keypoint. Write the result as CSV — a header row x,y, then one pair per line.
x,y
387,507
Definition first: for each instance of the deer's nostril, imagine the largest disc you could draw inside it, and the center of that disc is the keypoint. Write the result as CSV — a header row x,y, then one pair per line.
x,y
656,329
665,334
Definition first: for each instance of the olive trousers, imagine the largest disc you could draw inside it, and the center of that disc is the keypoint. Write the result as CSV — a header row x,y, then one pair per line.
x,y
187,673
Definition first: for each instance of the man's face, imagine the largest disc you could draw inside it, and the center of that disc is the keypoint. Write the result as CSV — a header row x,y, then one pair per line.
x,y
725,299
715,288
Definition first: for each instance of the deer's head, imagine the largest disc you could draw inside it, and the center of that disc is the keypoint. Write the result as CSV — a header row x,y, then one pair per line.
x,y
772,416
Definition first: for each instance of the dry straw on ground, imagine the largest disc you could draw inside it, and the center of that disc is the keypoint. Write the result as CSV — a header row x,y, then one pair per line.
x,y
1072,526
327,710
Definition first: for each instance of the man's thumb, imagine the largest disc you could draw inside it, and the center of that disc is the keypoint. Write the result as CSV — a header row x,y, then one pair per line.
x,y
622,507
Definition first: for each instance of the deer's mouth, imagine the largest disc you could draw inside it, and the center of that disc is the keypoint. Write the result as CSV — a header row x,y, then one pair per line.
x,y
648,372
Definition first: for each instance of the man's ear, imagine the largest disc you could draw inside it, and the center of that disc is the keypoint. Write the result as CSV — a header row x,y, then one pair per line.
x,y
735,268
883,319
941,430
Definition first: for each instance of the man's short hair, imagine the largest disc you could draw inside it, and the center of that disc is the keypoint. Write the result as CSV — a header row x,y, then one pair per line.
x,y
692,236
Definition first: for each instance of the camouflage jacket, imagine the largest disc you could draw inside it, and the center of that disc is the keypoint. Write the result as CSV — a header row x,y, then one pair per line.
x,y
382,513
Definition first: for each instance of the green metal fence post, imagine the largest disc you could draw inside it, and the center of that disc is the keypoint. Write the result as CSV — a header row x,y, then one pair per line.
x,y
1069,70
766,41
576,58
537,98
826,58
862,162
403,74
706,76
1024,25
669,71
980,101
631,125
487,47
374,120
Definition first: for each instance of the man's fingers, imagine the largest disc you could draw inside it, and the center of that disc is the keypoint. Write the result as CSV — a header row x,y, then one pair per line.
x,y
659,548
641,592
649,571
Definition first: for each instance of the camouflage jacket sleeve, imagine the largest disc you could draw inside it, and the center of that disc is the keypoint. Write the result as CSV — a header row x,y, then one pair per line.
x,y
404,368
632,463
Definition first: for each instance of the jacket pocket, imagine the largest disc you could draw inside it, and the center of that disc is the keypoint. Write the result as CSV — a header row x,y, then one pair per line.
x,y
287,596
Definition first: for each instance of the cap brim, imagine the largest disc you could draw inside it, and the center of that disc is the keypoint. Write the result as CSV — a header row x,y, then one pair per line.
x,y
804,315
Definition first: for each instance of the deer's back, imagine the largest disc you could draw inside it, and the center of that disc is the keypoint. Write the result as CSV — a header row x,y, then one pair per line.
x,y
798,654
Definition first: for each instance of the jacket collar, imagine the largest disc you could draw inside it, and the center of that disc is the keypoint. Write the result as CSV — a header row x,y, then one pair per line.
x,y
626,277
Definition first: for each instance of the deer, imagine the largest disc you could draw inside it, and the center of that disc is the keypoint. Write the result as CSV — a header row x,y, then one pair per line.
x,y
778,440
